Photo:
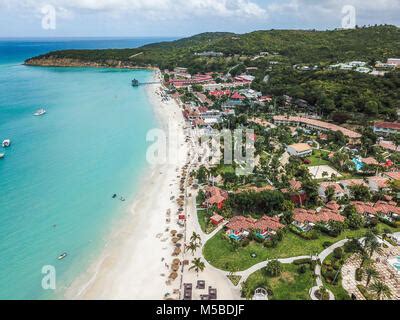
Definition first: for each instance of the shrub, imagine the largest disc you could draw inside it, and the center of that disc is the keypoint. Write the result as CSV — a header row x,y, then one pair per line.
x,y
327,244
302,269
352,246
359,274
338,253
245,242
273,268
302,261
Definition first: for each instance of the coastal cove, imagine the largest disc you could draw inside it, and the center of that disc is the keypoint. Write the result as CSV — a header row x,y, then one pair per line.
x,y
59,175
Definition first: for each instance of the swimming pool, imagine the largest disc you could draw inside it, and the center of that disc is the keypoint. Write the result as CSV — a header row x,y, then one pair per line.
x,y
395,263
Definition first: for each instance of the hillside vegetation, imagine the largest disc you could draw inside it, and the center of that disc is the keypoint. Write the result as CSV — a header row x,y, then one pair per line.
x,y
341,94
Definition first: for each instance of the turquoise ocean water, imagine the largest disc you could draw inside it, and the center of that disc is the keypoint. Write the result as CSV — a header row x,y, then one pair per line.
x,y
59,175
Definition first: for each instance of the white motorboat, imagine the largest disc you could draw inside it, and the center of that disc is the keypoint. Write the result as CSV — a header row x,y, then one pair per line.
x,y
40,112
2,155
63,256
6,143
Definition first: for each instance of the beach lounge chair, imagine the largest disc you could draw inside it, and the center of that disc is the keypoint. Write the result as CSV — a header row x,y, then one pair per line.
x,y
201,284
212,293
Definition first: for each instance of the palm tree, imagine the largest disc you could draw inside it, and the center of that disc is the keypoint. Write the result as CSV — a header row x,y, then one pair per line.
x,y
371,273
197,265
381,290
192,247
372,247
195,237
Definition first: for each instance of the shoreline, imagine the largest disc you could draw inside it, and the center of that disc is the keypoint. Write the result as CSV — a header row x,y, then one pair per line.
x,y
133,263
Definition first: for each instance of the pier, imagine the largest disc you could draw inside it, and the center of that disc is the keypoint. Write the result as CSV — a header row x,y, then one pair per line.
x,y
137,83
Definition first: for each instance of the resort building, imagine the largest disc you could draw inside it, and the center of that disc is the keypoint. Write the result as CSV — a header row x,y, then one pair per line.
x,y
216,219
378,183
307,219
394,61
211,117
338,191
215,196
347,184
317,125
385,209
389,145
386,128
240,227
299,150
370,161
392,176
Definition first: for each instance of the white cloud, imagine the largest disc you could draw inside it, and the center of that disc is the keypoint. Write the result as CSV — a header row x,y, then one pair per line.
x,y
166,9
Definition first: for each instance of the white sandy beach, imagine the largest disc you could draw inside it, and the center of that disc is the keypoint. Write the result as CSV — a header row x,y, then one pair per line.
x,y
133,266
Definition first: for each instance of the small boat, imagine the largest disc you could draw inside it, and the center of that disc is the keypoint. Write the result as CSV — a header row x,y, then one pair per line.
x,y
40,112
6,143
2,155
63,256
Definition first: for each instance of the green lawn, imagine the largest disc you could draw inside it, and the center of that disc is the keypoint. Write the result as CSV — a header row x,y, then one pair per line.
x,y
222,254
290,285
204,218
337,289
316,159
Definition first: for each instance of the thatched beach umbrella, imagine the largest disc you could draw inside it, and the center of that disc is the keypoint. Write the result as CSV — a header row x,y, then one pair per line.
x,y
177,252
176,261
175,240
173,232
175,267
173,275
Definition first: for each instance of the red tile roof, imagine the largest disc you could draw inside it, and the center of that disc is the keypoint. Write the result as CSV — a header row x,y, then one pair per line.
x,y
216,218
295,185
370,161
318,123
220,93
393,175
388,125
239,223
334,185
311,216
383,207
237,96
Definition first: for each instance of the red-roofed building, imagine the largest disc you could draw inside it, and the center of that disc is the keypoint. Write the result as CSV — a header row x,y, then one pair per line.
x,y
237,96
338,190
240,227
378,183
216,219
215,196
393,175
385,209
316,125
386,128
306,219
220,93
265,99
370,161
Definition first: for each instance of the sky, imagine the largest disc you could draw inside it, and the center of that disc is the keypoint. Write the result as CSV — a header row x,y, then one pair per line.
x,y
178,18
